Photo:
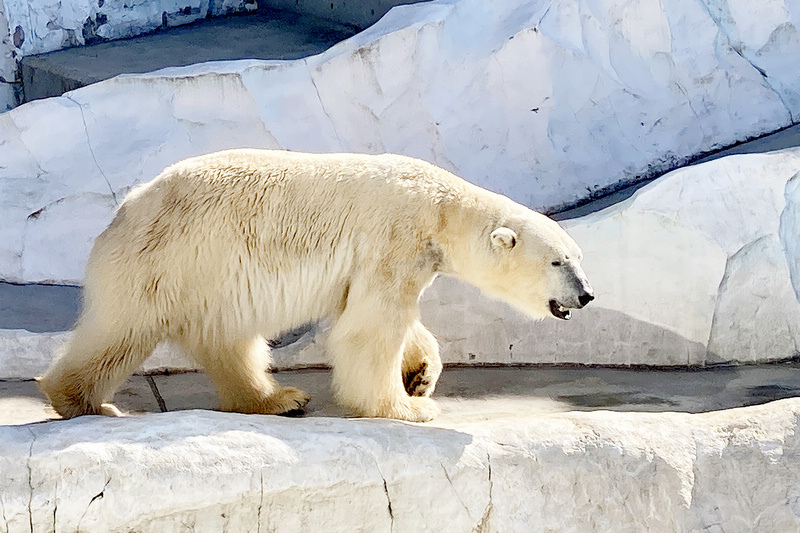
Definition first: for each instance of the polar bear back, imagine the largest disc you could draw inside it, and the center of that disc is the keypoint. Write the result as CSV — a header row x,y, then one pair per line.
x,y
274,235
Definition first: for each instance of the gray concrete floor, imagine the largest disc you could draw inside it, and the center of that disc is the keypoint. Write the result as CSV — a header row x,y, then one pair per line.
x,y
38,308
472,393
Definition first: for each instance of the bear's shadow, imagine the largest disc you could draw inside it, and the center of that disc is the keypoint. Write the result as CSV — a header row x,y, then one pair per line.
x,y
472,393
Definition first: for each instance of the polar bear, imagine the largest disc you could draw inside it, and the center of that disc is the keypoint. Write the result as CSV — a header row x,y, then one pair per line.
x,y
222,251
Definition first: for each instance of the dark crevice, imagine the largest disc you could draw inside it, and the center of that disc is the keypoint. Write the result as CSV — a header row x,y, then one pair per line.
x,y
157,394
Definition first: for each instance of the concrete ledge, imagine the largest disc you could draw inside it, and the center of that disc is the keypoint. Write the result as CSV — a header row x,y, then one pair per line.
x,y
265,34
734,470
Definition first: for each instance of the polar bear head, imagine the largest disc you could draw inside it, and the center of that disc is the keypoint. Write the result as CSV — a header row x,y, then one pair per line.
x,y
534,265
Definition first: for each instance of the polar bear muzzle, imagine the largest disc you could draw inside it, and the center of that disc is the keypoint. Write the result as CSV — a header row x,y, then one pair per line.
x,y
559,311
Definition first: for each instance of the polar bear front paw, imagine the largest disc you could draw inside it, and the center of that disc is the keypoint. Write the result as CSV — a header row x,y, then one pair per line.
x,y
289,401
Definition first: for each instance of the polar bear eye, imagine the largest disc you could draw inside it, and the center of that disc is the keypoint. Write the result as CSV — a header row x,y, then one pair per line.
x,y
556,263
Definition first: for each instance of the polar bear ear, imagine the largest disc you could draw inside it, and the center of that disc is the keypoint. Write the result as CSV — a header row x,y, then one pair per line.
x,y
504,238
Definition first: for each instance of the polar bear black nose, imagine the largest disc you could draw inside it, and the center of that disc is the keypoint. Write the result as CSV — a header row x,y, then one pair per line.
x,y
585,298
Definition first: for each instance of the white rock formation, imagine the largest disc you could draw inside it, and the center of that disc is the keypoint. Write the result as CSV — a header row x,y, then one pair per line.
x,y
547,102
697,268
734,470
39,26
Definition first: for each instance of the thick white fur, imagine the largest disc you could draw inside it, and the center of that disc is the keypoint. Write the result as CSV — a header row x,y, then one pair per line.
x,y
222,251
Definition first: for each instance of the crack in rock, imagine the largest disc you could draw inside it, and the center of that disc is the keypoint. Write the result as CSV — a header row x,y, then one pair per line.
x,y
765,77
483,523
260,499
321,103
98,496
3,514
30,479
55,505
36,214
385,491
737,49
388,501
546,11
91,150
458,496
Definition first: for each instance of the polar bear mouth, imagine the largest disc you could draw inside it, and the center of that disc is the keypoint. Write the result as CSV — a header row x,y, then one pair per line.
x,y
559,311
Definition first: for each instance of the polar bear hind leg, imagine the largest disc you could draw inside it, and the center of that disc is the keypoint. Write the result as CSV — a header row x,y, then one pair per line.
x,y
239,373
91,369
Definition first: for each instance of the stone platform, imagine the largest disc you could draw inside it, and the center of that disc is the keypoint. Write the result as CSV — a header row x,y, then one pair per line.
x,y
515,449
264,34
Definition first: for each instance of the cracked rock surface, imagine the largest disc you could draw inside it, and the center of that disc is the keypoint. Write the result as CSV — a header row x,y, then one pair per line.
x,y
600,471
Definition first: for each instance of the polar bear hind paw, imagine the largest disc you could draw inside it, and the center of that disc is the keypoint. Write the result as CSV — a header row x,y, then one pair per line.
x,y
287,401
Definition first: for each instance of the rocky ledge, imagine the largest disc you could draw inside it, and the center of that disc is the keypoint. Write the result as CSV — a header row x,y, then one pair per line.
x,y
601,471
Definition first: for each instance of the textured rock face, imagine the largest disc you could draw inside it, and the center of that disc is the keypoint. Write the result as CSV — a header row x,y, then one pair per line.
x,y
600,471
546,102
39,26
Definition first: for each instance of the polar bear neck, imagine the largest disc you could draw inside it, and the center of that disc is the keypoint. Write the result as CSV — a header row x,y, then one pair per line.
x,y
467,217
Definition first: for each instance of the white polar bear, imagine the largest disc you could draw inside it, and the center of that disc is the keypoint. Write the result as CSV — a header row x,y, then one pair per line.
x,y
222,251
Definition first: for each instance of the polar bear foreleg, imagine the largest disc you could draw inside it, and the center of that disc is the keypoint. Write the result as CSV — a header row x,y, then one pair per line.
x,y
366,343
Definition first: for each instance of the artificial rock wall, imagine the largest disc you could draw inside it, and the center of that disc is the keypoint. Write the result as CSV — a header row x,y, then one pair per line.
x,y
545,102
30,27
734,470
